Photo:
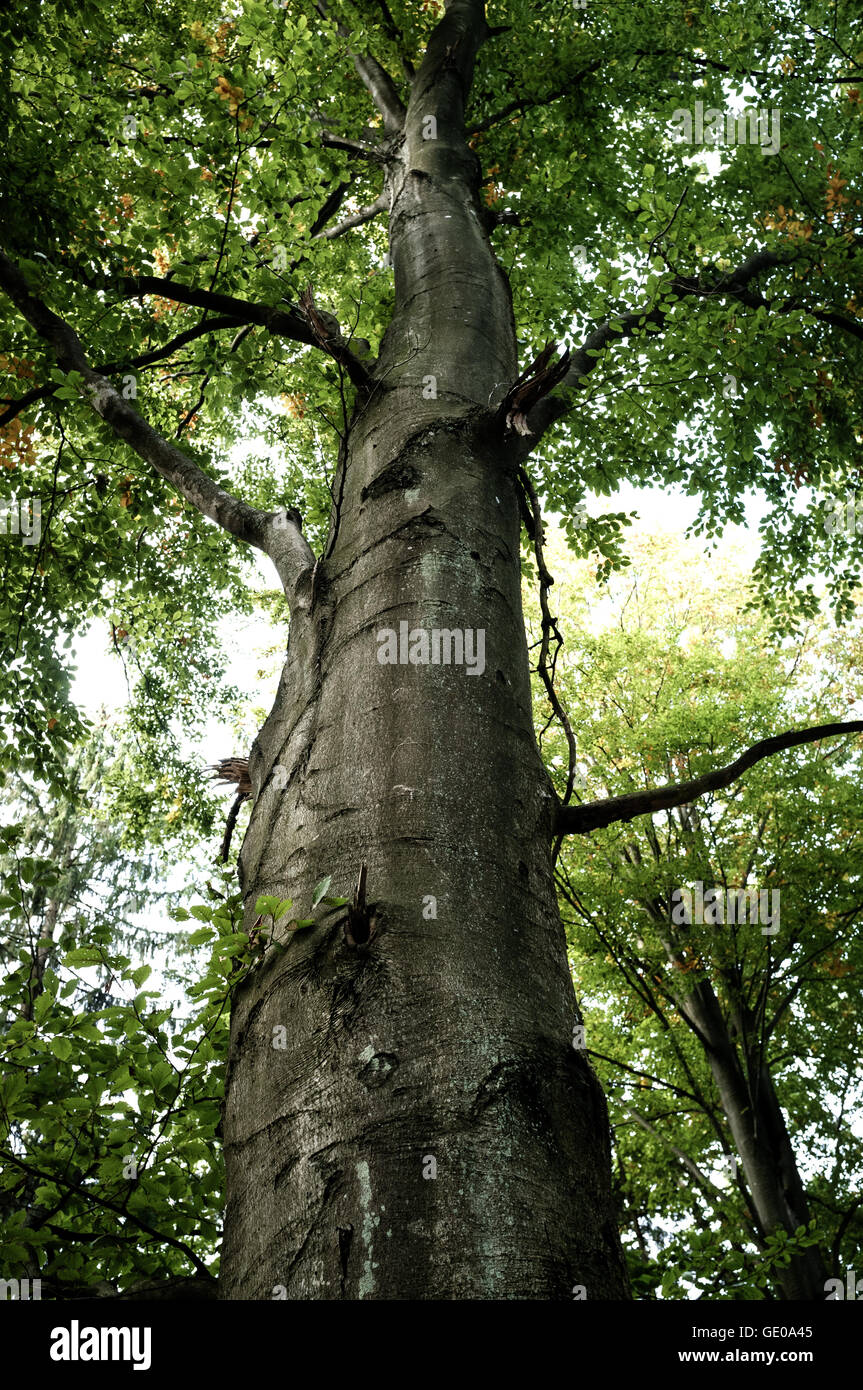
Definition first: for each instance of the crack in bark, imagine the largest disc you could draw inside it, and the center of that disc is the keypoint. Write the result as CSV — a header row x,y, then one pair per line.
x,y
398,476
333,1179
346,1235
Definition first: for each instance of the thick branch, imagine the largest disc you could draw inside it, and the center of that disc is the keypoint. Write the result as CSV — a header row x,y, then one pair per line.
x,y
333,141
375,79
382,91
329,207
287,323
356,219
452,49
593,815
278,535
17,404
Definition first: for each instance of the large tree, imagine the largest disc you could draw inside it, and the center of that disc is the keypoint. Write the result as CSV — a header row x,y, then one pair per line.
x,y
222,223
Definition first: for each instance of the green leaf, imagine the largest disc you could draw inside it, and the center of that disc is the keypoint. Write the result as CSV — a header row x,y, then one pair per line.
x,y
320,890
84,955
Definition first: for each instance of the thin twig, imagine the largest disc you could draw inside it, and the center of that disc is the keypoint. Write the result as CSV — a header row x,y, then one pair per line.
x,y
545,668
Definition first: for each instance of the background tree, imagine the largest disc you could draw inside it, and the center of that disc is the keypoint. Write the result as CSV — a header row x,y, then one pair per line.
x,y
205,242
727,1046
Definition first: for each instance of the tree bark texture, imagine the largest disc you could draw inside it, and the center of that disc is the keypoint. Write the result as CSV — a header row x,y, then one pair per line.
x,y
748,1098
429,1131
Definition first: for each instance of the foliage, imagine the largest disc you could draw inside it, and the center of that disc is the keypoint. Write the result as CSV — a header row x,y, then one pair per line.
x,y
677,680
110,1094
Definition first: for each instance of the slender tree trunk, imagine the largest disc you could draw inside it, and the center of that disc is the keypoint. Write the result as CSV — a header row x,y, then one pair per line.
x,y
62,849
748,1098
429,1131
40,959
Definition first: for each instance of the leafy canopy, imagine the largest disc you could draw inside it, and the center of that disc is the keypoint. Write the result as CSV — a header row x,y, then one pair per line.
x,y
192,143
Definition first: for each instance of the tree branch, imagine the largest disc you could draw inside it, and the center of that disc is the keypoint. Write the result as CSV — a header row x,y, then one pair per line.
x,y
396,37
329,208
691,1166
840,1231
356,147
452,49
733,286
382,91
545,667
356,219
59,1181
16,405
177,1288
277,534
593,815
375,79
522,104
287,323
146,359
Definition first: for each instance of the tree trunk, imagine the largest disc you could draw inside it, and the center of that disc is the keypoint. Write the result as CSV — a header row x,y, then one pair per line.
x,y
429,1131
754,1115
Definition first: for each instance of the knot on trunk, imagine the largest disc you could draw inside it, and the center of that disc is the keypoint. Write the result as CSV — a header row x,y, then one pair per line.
x,y
361,921
233,771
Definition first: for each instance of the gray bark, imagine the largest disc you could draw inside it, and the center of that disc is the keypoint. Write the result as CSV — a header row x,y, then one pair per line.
x,y
748,1098
447,1037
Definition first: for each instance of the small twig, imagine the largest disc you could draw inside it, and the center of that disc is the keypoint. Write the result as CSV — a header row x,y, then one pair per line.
x,y
669,224
230,824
